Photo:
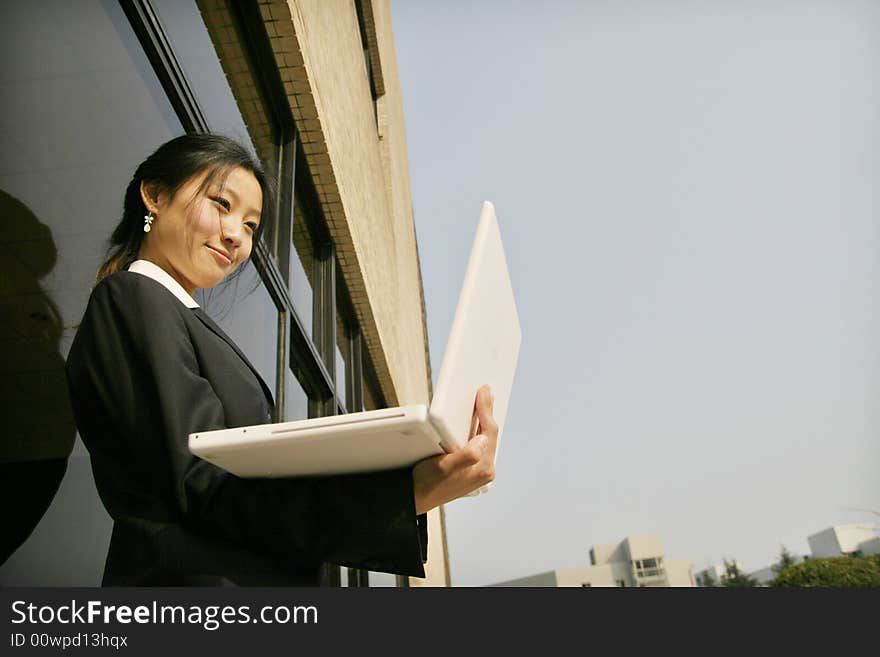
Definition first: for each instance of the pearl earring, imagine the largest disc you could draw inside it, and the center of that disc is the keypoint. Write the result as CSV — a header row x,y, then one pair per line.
x,y
148,221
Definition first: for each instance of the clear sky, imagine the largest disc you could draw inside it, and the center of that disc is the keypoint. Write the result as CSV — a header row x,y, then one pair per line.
x,y
688,195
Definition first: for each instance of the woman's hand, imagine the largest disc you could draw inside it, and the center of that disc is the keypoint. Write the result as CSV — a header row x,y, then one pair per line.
x,y
441,479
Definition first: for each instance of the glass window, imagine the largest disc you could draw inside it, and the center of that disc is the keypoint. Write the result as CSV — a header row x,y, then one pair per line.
x,y
82,107
226,91
243,308
349,374
343,356
381,579
296,400
302,268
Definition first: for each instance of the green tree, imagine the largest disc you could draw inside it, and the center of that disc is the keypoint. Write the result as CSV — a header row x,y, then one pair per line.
x,y
733,576
836,572
786,560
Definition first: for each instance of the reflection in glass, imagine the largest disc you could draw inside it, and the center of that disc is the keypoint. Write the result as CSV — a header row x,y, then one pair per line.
x,y
81,108
39,429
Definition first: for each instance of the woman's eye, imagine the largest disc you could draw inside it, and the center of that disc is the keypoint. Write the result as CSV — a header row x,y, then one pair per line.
x,y
252,225
222,202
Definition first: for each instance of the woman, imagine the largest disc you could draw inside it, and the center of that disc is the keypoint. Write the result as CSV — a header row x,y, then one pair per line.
x,y
148,367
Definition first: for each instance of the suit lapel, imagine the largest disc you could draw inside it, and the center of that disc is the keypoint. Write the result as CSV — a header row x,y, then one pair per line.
x,y
207,321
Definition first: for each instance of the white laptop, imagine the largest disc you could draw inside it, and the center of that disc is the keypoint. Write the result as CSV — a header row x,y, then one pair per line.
x,y
482,349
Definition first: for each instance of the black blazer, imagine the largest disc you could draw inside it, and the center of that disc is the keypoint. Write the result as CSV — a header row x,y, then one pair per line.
x,y
144,372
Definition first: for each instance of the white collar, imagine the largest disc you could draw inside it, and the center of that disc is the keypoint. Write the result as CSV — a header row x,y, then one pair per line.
x,y
154,271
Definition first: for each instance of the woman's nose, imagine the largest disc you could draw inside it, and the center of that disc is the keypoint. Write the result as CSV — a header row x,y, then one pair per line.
x,y
230,231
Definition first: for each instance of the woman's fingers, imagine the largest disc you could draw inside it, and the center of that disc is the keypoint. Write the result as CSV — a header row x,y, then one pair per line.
x,y
465,457
480,450
483,410
475,449
443,478
472,465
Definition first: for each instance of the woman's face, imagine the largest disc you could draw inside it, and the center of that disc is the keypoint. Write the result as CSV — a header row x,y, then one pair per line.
x,y
201,237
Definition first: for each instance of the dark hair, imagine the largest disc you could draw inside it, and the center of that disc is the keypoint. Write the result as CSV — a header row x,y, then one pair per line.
x,y
171,166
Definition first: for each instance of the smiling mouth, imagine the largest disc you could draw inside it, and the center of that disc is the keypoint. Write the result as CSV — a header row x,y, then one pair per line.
x,y
220,255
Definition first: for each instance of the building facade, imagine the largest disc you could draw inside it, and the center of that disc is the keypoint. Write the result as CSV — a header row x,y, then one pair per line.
x,y
330,310
858,539
636,561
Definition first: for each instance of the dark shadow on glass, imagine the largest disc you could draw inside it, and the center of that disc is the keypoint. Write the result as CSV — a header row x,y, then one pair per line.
x,y
38,425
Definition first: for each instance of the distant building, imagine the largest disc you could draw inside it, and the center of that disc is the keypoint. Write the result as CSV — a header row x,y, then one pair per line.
x,y
845,541
715,573
870,547
765,576
541,579
635,561
858,539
